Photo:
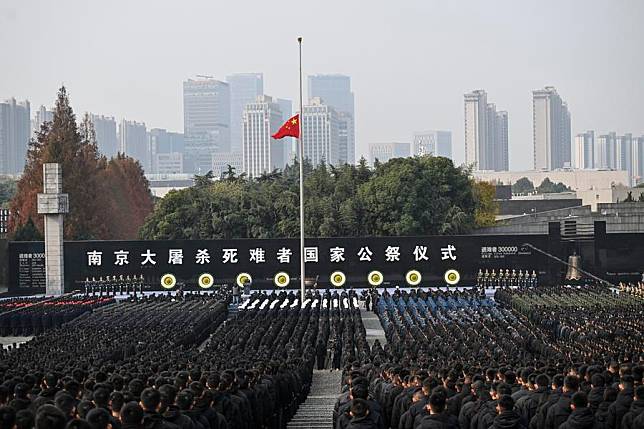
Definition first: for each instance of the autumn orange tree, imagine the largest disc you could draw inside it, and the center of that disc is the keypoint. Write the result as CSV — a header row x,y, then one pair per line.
x,y
97,188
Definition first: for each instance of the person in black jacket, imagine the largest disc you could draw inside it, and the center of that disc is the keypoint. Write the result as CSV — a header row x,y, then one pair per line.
x,y
581,416
438,418
622,404
559,412
506,418
360,416
528,405
596,393
630,420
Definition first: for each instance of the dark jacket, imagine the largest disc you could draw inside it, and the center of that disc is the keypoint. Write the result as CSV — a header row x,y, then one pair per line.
x,y
595,397
507,420
174,416
637,410
156,421
527,405
439,421
621,406
539,419
407,419
604,416
362,423
581,418
559,412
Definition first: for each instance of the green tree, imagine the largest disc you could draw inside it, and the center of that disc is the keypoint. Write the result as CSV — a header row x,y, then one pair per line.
x,y
408,196
7,191
423,195
549,187
27,232
523,186
641,197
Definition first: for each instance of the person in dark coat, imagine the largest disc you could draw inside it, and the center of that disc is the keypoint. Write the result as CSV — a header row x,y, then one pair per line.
x,y
604,416
132,416
622,404
438,417
151,402
559,412
581,416
596,394
506,418
360,416
630,420
528,405
320,352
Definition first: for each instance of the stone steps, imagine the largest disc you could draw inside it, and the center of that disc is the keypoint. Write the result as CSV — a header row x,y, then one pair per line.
x,y
317,411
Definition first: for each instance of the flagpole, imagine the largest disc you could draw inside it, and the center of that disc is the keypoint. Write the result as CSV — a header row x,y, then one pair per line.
x,y
301,162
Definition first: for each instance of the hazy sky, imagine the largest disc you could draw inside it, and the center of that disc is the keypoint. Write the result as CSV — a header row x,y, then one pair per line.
x,y
410,61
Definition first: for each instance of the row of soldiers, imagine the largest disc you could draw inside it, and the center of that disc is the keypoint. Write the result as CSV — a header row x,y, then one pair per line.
x,y
506,278
113,285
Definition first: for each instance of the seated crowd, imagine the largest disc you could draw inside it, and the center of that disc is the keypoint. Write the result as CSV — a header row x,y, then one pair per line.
x,y
549,358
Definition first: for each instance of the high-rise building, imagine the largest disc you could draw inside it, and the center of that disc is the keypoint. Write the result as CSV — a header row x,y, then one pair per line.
x,y
436,143
476,129
626,155
383,152
168,163
585,151
486,133
638,156
320,133
551,133
501,153
41,116
206,122
164,142
221,161
133,142
106,137
335,90
261,153
15,131
244,89
606,151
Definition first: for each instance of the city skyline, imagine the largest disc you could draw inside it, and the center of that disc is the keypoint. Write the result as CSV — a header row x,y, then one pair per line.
x,y
417,93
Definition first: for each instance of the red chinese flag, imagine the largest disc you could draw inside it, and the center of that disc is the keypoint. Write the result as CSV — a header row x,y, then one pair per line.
x,y
291,128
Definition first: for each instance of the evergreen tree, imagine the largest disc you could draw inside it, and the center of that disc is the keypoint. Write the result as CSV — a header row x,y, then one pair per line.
x,y
523,186
27,232
93,193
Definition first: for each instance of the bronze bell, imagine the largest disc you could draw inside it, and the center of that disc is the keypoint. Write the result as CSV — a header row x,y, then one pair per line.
x,y
574,265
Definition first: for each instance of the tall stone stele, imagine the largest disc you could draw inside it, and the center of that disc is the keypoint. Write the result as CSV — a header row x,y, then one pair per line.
x,y
53,204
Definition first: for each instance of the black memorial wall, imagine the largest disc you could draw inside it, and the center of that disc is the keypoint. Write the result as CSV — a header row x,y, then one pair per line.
x,y
394,257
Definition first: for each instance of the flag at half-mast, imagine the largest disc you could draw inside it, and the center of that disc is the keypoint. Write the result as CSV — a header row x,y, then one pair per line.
x,y
291,128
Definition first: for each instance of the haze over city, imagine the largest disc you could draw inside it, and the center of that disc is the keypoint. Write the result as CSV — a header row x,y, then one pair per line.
x,y
410,62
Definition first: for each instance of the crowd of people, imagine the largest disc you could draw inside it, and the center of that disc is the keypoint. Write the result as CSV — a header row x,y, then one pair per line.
x,y
178,361
568,358
31,316
547,357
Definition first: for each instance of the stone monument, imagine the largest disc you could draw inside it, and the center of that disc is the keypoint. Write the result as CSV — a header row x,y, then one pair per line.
x,y
53,204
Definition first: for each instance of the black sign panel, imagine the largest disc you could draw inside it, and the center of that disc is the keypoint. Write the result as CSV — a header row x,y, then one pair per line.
x,y
356,258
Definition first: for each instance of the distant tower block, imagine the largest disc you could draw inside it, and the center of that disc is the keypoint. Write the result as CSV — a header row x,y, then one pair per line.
x,y
53,204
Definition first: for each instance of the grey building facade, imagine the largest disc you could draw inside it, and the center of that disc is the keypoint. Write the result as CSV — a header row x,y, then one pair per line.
x,y
335,90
